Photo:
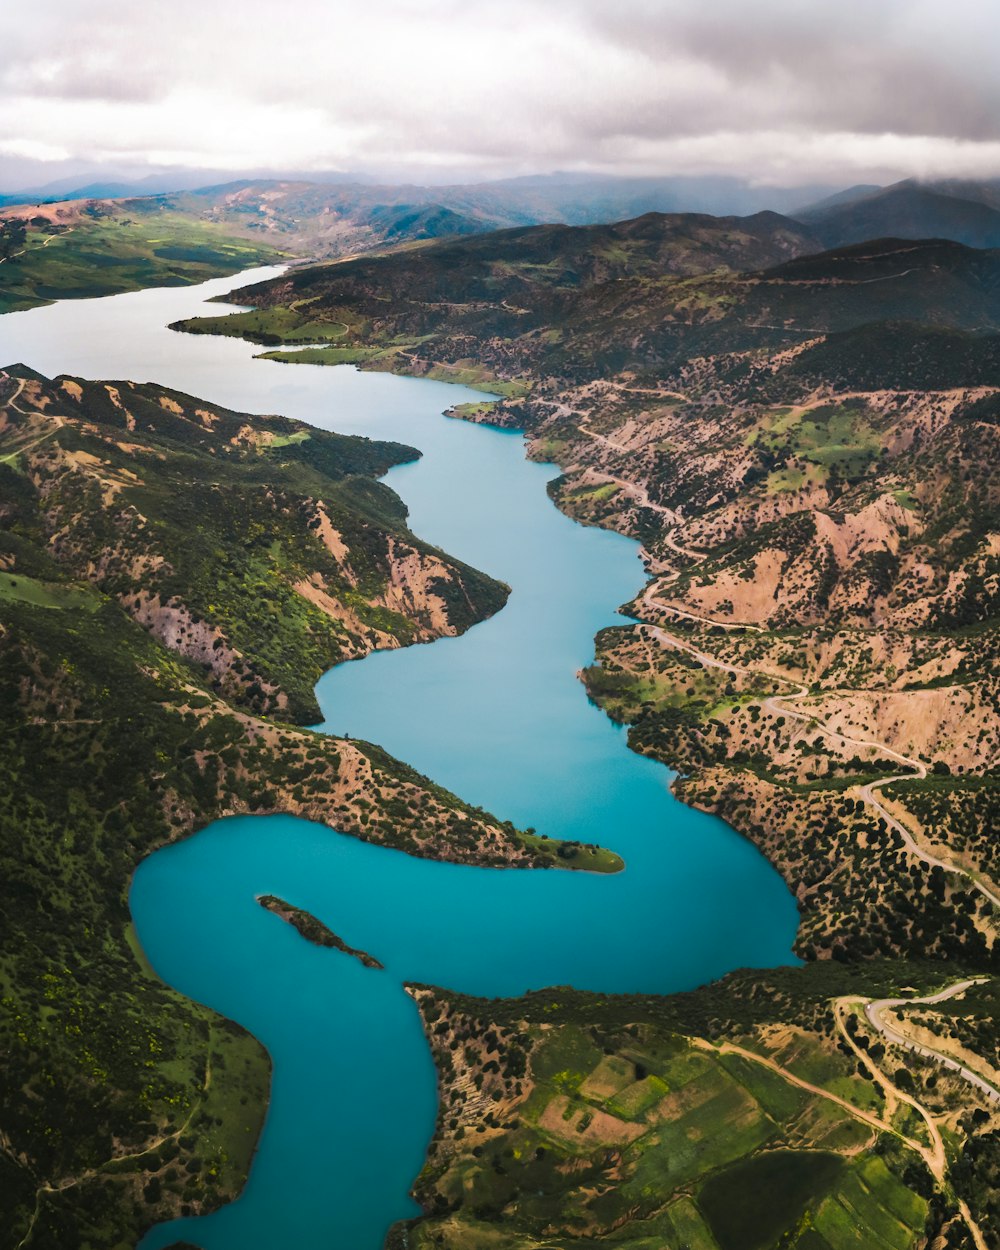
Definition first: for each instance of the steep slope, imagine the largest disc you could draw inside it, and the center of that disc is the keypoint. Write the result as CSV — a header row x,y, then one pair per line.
x,y
261,548
171,571
513,298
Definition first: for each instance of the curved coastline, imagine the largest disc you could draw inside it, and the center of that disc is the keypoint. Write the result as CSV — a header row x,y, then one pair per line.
x,y
672,898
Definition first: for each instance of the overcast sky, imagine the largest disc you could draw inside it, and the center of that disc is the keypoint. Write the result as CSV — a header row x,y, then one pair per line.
x,y
780,91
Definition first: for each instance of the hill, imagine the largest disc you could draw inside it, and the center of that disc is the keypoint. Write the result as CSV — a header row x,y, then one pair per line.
x,y
86,248
317,219
166,567
965,213
108,239
154,480
588,302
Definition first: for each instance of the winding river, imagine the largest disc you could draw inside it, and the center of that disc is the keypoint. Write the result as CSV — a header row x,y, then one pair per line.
x,y
498,716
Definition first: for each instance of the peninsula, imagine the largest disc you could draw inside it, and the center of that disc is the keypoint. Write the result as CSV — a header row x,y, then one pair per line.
x,y
804,449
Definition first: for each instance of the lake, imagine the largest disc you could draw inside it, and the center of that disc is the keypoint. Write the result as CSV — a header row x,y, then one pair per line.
x,y
499,717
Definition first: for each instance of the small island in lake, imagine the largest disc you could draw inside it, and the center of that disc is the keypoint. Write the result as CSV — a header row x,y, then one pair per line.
x,y
313,929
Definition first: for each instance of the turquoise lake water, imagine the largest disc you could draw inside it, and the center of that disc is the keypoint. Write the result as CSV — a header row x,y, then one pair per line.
x,y
498,716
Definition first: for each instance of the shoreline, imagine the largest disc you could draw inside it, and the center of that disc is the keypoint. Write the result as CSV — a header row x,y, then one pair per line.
x,y
682,781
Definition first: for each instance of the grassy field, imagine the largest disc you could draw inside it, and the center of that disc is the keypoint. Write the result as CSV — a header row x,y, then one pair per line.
x,y
636,1135
343,337
24,589
106,251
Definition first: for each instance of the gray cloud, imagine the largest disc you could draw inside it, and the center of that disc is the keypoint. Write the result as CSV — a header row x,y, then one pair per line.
x,y
778,90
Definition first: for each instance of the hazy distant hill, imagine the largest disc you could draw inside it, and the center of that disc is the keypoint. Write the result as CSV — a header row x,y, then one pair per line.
x,y
576,198
333,220
968,213
320,220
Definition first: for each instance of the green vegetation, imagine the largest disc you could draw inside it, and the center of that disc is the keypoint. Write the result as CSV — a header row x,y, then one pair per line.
x,y
845,539
625,1120
962,812
313,929
647,296
321,356
127,1103
750,1204
830,438
716,417
91,248
397,353
23,589
225,537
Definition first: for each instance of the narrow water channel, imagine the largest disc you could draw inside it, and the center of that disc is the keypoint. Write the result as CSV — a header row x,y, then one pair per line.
x,y
498,716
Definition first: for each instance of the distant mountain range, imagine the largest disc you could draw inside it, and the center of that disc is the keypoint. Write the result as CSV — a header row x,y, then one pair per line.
x,y
332,215
965,212
576,199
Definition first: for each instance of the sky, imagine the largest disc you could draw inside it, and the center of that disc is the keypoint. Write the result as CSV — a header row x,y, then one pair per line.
x,y
780,92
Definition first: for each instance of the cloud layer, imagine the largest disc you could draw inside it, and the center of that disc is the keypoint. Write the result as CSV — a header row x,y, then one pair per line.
x,y
777,91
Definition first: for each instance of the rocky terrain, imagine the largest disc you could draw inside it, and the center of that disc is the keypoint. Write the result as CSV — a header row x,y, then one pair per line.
x,y
806,452
155,652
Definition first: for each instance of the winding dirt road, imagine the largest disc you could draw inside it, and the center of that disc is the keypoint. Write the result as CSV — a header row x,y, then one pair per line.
x,y
874,1013
780,705
934,1155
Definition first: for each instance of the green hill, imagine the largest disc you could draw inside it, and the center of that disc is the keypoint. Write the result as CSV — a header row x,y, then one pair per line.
x,y
173,578
86,248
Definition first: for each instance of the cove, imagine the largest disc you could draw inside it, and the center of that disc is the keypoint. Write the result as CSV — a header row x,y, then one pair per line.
x,y
498,716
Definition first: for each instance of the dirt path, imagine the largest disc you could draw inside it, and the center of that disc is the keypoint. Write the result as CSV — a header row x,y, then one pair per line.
x,y
28,446
867,793
12,403
71,1181
780,705
24,250
867,1117
935,1156
874,1012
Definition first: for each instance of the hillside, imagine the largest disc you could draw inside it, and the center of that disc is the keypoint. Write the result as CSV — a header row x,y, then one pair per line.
x,y
316,564
587,302
316,219
806,451
570,198
527,297
908,211
86,248
173,576
109,239
763,1111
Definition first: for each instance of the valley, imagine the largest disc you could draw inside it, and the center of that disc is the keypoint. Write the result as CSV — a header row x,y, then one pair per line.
x,y
802,443
816,649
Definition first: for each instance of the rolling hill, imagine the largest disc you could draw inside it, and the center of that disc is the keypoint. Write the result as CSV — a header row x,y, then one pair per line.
x,y
963,212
